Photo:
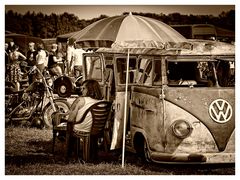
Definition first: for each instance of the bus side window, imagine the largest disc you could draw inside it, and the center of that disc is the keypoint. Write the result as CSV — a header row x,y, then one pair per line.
x,y
122,69
144,75
173,73
141,65
205,74
147,78
182,73
225,74
94,68
157,77
198,74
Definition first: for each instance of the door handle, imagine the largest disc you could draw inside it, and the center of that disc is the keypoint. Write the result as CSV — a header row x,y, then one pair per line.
x,y
137,105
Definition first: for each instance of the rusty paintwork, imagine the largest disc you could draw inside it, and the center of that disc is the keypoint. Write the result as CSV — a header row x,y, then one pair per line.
x,y
196,101
207,139
153,108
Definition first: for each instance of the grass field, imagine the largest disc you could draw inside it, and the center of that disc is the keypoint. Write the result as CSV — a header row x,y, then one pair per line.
x,y
28,151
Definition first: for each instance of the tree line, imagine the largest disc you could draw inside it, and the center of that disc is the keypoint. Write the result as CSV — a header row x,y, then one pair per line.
x,y
50,26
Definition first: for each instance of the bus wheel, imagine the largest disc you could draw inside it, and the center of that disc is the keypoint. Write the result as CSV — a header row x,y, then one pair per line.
x,y
146,152
141,147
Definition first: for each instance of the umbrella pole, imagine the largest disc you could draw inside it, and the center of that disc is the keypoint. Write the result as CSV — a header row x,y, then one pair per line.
x,y
125,111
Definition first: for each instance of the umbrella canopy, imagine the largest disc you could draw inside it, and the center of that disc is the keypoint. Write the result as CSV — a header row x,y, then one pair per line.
x,y
65,37
128,31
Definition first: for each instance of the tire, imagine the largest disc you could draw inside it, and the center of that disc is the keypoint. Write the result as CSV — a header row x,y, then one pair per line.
x,y
62,106
63,87
141,147
146,154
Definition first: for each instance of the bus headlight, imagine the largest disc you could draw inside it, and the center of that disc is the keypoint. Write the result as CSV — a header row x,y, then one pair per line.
x,y
181,129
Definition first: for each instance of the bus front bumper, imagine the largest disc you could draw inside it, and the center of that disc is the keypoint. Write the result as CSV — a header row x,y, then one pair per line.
x,y
193,158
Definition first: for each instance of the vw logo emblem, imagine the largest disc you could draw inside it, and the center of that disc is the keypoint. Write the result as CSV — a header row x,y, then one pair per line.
x,y
220,111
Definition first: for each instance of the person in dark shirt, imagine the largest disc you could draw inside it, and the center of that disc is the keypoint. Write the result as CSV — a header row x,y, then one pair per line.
x,y
31,58
31,54
53,61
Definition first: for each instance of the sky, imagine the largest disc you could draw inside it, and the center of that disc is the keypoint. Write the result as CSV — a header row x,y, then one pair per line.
x,y
109,9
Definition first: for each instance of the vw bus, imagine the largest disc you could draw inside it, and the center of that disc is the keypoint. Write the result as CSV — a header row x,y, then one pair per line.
x,y
180,105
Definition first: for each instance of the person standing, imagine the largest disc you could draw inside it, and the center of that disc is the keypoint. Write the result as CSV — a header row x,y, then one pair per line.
x,y
15,70
11,46
77,60
31,58
61,55
41,59
70,50
53,61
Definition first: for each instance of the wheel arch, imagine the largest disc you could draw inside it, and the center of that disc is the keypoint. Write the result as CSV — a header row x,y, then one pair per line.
x,y
141,146
138,141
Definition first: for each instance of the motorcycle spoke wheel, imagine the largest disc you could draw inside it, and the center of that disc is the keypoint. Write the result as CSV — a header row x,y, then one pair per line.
x,y
62,106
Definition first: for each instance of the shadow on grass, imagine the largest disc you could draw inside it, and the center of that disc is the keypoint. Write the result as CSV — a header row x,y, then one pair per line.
x,y
33,152
40,152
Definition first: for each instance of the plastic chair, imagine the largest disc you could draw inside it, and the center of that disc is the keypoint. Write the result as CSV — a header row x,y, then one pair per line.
x,y
101,113
59,129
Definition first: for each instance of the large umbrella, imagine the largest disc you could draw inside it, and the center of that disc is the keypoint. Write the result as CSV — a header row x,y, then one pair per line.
x,y
129,33
128,30
65,37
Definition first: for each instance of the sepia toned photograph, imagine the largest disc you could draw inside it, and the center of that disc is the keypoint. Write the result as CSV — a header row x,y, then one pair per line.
x,y
141,89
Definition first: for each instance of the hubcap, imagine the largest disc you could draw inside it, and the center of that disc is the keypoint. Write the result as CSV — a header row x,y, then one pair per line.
x,y
63,89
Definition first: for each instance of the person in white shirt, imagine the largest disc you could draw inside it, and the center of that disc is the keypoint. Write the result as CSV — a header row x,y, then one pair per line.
x,y
70,50
40,59
77,60
91,93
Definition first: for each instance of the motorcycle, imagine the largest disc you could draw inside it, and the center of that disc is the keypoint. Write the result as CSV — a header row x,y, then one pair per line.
x,y
34,104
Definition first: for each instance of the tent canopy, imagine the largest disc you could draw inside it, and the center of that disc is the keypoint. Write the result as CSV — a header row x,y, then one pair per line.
x,y
22,40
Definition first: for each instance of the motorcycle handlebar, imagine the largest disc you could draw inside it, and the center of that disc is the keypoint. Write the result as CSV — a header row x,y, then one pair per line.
x,y
33,68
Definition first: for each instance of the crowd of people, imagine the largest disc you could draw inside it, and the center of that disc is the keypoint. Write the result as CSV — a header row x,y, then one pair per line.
x,y
55,60
52,60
